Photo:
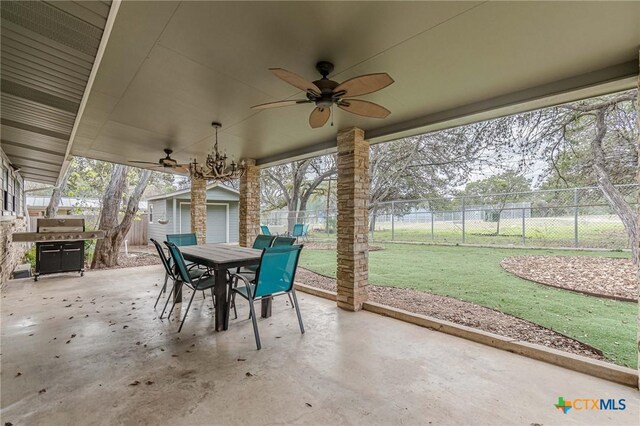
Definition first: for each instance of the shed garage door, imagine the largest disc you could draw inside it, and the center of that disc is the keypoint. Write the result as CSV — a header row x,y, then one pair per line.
x,y
217,226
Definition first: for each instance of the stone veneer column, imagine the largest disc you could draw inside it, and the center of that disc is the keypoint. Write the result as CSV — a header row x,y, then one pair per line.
x,y
199,209
352,273
249,204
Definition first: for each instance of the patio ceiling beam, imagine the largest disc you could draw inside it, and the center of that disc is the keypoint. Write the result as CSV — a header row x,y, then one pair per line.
x,y
611,79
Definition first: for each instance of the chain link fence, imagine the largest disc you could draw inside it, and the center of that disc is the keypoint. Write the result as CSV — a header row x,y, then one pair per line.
x,y
576,217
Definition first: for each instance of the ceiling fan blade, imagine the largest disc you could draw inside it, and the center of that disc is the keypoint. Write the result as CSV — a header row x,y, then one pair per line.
x,y
281,104
319,117
145,162
295,80
364,84
364,108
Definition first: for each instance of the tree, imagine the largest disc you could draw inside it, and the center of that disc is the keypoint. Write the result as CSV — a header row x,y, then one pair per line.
x,y
591,141
429,165
295,183
498,190
106,252
56,196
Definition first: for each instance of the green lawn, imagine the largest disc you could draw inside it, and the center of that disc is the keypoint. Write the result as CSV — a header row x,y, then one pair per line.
x,y
474,274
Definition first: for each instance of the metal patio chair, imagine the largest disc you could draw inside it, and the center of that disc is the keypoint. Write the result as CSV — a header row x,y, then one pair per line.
x,y
265,230
180,240
203,282
169,273
300,231
250,271
275,276
283,241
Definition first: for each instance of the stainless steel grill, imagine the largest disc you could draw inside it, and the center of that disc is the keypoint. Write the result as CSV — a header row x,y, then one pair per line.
x,y
59,245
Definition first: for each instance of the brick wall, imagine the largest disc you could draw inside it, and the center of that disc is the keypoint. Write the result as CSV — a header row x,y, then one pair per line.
x,y
11,254
352,273
249,204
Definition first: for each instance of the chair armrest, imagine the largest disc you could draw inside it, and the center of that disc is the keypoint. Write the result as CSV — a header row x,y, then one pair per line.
x,y
242,277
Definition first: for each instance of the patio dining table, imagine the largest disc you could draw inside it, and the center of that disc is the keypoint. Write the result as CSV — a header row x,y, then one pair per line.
x,y
221,258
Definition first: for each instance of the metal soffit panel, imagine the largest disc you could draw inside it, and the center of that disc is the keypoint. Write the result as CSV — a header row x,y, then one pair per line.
x,y
47,52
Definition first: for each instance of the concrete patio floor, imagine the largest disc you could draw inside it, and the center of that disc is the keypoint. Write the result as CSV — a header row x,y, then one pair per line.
x,y
349,368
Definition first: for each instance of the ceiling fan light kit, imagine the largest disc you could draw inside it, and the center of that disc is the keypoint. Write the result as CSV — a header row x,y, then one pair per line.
x,y
215,166
325,93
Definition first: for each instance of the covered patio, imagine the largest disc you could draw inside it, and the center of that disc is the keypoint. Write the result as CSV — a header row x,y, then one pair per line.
x,y
80,363
93,350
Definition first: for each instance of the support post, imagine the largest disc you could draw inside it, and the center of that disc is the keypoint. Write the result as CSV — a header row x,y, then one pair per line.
x,y
464,236
524,229
249,217
352,233
575,217
199,209
433,235
393,221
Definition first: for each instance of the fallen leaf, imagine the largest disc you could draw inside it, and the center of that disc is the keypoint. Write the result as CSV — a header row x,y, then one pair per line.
x,y
67,342
70,317
42,391
135,383
248,374
148,382
242,359
73,335
308,405
18,374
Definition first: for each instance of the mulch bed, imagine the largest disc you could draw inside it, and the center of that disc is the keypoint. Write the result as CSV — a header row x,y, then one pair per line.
x,y
137,258
612,278
460,312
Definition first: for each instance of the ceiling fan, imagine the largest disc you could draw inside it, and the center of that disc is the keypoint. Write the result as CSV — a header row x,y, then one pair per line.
x,y
324,93
166,163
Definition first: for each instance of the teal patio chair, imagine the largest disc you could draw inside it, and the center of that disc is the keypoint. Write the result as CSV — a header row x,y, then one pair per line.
x,y
299,231
250,271
170,273
275,276
180,240
283,241
265,230
203,282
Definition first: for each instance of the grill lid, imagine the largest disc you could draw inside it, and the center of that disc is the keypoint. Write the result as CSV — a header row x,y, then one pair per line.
x,y
60,225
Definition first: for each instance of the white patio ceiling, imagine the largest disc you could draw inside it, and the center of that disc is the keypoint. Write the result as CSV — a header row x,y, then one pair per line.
x,y
170,68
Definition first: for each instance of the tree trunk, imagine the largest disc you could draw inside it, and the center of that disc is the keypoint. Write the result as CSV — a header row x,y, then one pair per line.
x,y
372,218
107,249
54,201
498,223
292,214
616,199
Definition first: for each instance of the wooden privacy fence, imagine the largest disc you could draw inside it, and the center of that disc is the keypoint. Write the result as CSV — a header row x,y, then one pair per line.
x,y
137,235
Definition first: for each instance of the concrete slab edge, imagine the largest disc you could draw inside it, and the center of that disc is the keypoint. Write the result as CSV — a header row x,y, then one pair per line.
x,y
600,369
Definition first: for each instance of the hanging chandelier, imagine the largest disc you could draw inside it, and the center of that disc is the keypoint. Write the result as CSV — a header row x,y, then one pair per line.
x,y
216,167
